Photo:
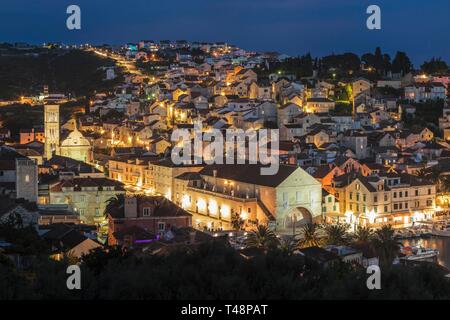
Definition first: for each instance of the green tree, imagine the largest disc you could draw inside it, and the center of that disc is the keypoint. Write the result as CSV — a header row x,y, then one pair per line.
x,y
362,234
336,234
113,204
98,259
309,236
288,246
432,174
435,66
262,238
401,63
362,240
385,245
237,222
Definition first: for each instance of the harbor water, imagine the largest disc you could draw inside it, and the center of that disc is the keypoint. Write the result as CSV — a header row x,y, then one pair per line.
x,y
440,243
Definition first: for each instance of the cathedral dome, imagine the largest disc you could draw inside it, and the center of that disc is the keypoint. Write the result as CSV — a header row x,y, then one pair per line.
x,y
75,139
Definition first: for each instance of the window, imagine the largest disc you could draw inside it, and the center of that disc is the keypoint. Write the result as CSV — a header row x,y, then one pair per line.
x,y
400,206
416,192
298,196
364,197
357,197
385,197
249,210
406,193
146,212
351,195
429,203
329,199
395,194
375,209
400,194
429,191
395,206
385,208
406,205
161,226
375,199
27,178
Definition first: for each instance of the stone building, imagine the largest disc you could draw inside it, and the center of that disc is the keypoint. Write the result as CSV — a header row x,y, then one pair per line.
x,y
77,147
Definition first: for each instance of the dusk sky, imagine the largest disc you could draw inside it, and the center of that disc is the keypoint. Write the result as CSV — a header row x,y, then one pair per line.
x,y
421,28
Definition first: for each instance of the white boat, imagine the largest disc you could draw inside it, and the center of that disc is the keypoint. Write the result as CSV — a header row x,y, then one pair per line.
x,y
441,230
418,254
440,233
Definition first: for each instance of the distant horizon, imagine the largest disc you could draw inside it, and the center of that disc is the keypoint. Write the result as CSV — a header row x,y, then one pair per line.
x,y
293,27
416,66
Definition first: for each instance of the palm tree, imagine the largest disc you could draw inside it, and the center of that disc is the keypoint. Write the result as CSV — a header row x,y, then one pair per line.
x,y
309,236
431,174
237,222
385,245
262,238
362,234
336,234
361,240
288,246
113,204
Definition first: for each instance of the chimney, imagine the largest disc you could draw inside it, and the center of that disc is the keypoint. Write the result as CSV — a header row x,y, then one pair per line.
x,y
130,207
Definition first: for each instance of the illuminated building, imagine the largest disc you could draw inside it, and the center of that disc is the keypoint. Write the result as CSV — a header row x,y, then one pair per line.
x,y
220,191
384,198
85,196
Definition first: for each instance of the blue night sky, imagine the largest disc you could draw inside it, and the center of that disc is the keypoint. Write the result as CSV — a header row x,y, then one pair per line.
x,y
421,28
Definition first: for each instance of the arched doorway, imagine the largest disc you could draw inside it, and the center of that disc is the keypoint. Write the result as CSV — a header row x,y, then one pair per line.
x,y
297,217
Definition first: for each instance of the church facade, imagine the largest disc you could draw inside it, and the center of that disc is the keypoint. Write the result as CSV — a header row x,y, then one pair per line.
x,y
75,146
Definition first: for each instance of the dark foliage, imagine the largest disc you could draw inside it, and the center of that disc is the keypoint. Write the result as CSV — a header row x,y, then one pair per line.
x,y
435,66
72,72
214,271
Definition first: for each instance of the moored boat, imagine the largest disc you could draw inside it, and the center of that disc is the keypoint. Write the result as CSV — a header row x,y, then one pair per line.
x,y
418,254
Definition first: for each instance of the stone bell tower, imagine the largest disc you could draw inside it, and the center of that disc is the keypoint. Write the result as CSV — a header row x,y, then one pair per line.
x,y
52,129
